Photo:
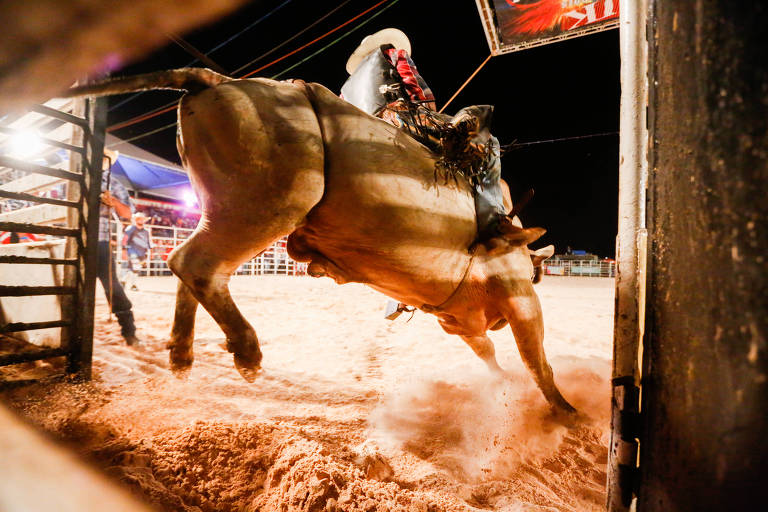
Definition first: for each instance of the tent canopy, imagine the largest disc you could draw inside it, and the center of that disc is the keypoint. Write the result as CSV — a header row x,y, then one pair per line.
x,y
142,171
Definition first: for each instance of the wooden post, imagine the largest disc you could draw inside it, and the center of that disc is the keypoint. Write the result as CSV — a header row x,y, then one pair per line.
x,y
705,367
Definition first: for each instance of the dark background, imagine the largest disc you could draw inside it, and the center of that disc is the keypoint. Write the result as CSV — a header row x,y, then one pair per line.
x,y
561,90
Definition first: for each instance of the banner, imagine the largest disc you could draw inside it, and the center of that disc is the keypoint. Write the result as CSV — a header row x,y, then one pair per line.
x,y
512,25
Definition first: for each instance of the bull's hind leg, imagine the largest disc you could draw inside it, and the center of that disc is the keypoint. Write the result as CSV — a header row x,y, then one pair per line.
x,y
182,335
204,265
523,311
254,152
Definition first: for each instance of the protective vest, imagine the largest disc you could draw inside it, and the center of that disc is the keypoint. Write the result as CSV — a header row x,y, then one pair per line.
x,y
374,84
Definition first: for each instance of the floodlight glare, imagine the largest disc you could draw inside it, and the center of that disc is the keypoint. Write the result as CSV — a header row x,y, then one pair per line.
x,y
190,199
25,144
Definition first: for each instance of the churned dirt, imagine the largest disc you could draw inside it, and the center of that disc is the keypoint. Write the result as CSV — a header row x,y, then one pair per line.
x,y
351,412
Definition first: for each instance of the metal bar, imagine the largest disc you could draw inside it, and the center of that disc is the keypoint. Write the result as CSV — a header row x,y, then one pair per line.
x,y
37,261
62,116
81,333
27,291
15,163
24,227
46,140
31,355
31,326
22,196
630,245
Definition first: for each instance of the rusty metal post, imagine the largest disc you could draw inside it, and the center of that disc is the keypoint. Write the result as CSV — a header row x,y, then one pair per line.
x,y
81,341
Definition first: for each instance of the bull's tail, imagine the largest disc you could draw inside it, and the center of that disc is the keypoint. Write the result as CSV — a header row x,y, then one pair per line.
x,y
184,79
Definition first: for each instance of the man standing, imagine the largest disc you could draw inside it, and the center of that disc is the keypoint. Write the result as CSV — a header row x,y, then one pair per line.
x,y
138,247
114,195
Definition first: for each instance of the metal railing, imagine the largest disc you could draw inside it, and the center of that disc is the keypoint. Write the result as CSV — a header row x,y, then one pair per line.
x,y
587,268
81,136
273,261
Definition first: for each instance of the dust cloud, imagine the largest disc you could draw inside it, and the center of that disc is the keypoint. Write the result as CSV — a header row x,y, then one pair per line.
x,y
351,412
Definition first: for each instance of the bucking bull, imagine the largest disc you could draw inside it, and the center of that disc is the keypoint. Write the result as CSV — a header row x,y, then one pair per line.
x,y
359,201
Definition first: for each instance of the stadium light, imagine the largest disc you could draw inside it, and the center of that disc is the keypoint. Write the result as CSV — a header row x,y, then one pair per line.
x,y
25,144
190,199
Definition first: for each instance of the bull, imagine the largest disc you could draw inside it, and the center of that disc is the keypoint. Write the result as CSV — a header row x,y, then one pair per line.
x,y
358,200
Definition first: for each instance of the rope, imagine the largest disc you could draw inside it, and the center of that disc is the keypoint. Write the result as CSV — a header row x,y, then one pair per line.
x,y
429,308
109,239
189,48
466,82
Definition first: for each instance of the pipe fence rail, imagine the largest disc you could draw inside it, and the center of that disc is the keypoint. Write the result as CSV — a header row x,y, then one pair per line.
x,y
585,268
273,261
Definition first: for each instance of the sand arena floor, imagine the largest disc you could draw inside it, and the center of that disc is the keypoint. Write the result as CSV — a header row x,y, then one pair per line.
x,y
351,412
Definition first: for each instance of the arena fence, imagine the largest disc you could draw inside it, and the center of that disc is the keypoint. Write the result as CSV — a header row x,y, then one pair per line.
x,y
595,268
273,261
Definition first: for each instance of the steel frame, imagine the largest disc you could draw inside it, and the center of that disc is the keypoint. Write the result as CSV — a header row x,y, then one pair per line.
x,y
80,267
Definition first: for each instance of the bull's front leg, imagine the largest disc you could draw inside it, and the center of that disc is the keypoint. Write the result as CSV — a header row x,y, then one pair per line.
x,y
523,311
471,328
483,347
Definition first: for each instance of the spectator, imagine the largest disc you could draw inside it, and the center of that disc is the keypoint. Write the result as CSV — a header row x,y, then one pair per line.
x,y
138,246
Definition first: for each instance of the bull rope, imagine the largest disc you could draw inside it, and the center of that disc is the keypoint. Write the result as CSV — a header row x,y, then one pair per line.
x,y
429,308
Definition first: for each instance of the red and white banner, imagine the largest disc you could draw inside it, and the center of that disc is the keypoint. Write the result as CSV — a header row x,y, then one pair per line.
x,y
512,25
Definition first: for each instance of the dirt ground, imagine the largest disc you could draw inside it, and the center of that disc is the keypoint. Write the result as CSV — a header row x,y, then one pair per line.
x,y
351,412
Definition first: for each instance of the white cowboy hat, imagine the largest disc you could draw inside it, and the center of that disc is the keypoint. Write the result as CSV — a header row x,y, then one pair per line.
x,y
391,36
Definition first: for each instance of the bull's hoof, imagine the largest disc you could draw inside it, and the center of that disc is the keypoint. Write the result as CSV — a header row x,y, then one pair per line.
x,y
181,372
559,404
561,408
180,366
247,369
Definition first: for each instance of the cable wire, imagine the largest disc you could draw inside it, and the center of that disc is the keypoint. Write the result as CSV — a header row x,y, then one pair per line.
x,y
319,38
172,105
297,34
217,47
515,145
361,25
143,135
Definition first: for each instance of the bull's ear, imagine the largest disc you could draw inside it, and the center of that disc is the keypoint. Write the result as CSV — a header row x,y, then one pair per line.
x,y
520,236
538,256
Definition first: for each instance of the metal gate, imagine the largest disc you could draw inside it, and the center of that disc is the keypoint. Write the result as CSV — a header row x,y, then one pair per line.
x,y
70,139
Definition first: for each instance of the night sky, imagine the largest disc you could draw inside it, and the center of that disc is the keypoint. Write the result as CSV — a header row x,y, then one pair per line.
x,y
565,89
